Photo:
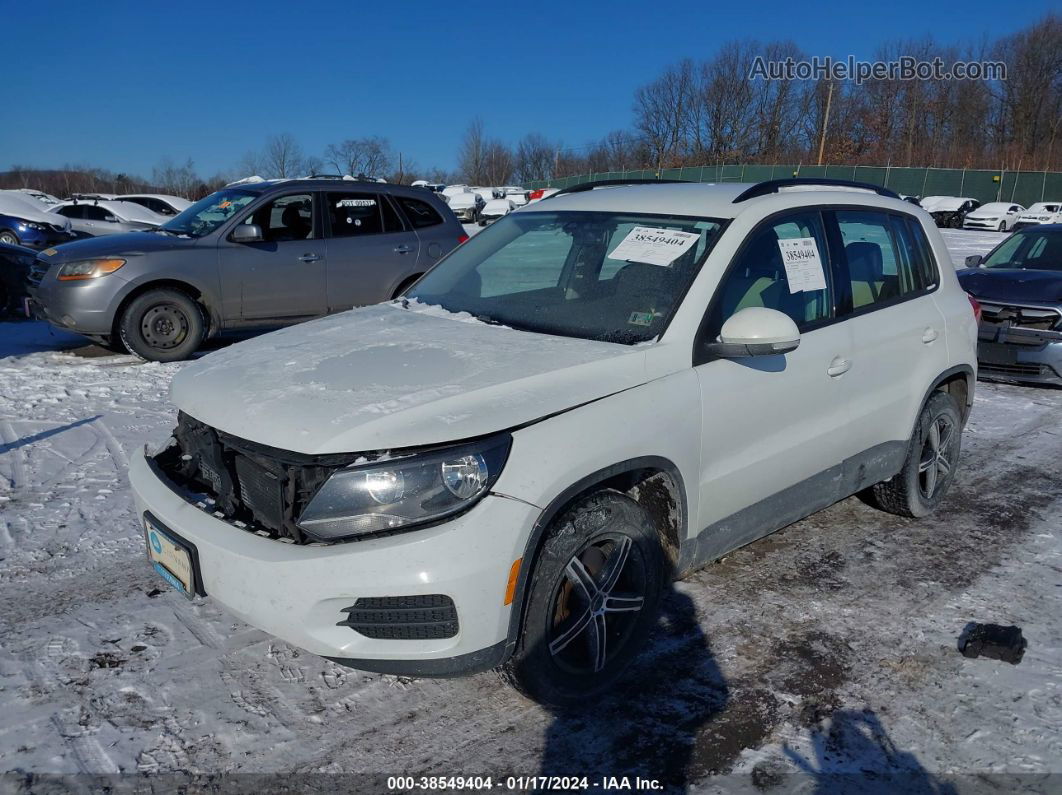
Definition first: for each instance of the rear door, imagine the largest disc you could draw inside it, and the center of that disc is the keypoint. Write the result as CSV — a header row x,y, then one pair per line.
x,y
436,237
371,252
899,345
280,279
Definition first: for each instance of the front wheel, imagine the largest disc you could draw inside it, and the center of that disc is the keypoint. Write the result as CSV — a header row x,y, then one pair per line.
x,y
162,325
1002,226
929,469
593,597
9,237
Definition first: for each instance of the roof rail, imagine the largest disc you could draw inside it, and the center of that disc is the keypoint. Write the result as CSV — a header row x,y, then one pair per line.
x,y
603,183
774,185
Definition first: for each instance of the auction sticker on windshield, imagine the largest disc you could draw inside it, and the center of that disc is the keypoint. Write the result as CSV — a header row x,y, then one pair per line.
x,y
170,558
654,246
803,266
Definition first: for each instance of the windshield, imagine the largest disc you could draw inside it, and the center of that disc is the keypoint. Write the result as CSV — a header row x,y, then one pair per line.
x,y
208,214
615,277
1040,251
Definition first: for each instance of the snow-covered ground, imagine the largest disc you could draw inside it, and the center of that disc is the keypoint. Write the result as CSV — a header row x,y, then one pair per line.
x,y
826,649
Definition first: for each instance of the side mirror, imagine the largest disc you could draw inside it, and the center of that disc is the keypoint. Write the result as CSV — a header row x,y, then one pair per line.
x,y
974,261
756,331
247,233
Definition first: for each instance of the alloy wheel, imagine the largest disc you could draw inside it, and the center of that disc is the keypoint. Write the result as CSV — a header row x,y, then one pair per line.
x,y
595,607
935,464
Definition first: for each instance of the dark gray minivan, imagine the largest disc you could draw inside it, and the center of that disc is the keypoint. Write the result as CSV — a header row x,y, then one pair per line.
x,y
253,256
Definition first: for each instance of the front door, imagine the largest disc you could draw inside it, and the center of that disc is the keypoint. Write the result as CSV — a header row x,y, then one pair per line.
x,y
280,279
773,426
370,250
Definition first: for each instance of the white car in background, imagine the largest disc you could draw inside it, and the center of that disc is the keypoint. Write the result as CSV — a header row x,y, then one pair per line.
x,y
93,218
453,190
466,206
488,194
998,216
509,464
160,203
949,211
517,196
1040,213
495,209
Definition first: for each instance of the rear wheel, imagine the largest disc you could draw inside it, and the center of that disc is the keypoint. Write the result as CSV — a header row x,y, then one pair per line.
x,y
162,325
593,598
930,465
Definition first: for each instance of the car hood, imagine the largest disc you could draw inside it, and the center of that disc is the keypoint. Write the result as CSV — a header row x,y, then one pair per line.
x,y
386,377
129,243
1020,286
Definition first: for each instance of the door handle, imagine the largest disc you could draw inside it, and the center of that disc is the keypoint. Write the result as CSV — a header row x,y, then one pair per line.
x,y
838,367
929,335
309,257
403,249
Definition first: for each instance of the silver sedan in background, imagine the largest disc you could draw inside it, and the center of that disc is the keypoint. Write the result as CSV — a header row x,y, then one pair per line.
x,y
95,217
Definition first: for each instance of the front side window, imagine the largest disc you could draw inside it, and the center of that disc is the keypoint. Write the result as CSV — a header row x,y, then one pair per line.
x,y
615,277
209,213
759,276
1028,251
356,214
94,213
285,218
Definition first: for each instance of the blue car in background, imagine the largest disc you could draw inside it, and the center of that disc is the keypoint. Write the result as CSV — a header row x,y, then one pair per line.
x,y
24,223
1019,287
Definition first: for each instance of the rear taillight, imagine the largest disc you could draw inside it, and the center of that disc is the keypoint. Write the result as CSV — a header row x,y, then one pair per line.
x,y
462,238
535,195
976,307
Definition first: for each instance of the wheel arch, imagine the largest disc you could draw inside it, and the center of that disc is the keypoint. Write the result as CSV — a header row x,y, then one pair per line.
x,y
405,284
653,482
212,318
959,382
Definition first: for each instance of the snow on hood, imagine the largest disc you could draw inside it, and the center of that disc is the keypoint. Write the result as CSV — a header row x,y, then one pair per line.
x,y
463,200
19,205
384,377
990,210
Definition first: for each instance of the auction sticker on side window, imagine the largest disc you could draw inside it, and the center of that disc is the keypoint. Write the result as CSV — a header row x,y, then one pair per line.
x,y
170,557
803,266
654,246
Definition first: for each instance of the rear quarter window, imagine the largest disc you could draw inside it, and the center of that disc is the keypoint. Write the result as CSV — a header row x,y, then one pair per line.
x,y
420,214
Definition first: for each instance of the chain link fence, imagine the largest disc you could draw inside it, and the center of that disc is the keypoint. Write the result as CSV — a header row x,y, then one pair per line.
x,y
1022,187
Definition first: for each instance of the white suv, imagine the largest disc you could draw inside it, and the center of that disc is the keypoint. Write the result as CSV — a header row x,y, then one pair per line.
x,y
597,394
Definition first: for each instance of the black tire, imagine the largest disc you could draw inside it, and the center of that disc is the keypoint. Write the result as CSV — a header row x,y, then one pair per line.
x,y
1002,226
556,662
921,485
9,237
162,325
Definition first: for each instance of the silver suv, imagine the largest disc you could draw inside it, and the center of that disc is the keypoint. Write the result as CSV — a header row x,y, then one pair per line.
x,y
245,258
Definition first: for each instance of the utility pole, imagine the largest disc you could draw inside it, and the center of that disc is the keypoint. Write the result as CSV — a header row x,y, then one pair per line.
x,y
825,121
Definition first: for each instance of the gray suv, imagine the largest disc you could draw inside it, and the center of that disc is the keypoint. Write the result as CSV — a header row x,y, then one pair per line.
x,y
245,258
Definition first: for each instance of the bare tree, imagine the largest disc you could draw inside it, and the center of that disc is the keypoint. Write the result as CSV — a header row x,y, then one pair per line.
x,y
472,155
283,157
370,156
535,157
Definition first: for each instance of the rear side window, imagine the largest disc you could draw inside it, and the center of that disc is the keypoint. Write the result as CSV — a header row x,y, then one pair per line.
x,y
94,213
420,214
923,257
882,257
72,211
357,214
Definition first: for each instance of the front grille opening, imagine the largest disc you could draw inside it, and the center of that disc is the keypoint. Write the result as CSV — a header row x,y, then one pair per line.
x,y
423,617
994,316
257,488
1027,370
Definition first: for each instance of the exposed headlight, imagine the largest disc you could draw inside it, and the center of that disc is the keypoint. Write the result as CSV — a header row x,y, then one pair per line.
x,y
31,225
404,492
88,269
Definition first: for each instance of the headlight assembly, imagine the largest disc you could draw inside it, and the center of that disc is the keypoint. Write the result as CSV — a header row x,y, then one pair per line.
x,y
88,269
404,492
